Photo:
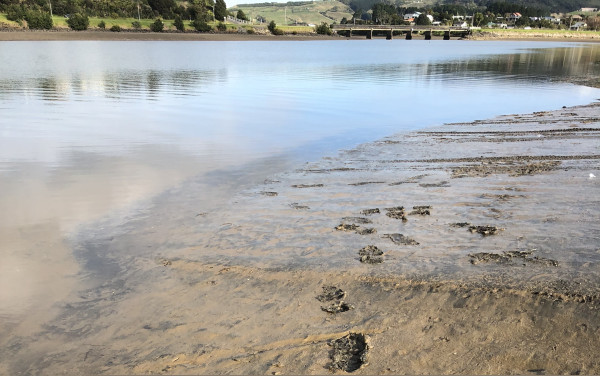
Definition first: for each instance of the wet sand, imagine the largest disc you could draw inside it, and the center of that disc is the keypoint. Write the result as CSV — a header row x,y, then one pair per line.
x,y
467,248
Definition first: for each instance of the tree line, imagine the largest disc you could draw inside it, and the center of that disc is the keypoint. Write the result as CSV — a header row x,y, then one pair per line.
x,y
386,13
203,10
532,8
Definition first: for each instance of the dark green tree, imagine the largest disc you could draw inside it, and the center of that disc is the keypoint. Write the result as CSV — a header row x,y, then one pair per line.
x,y
323,29
178,23
241,15
163,7
478,19
115,28
78,21
15,12
157,26
274,29
102,25
136,25
220,10
37,19
423,20
522,22
201,26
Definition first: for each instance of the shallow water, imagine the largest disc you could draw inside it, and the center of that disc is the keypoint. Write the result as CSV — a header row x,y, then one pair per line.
x,y
91,130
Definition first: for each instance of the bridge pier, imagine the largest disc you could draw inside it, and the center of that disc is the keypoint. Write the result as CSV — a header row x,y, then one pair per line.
x,y
447,35
409,35
428,35
350,33
370,34
390,34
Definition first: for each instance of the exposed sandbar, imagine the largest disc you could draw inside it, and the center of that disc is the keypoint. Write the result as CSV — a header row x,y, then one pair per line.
x,y
485,261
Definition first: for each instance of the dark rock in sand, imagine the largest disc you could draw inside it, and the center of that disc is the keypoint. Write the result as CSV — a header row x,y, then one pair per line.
x,y
401,239
367,182
331,293
485,230
271,194
370,211
337,307
297,206
396,213
346,227
421,210
460,224
366,231
360,220
511,257
334,296
371,255
307,185
349,353
442,184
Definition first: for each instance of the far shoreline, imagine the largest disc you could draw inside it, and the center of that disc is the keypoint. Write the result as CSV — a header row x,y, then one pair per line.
x,y
15,35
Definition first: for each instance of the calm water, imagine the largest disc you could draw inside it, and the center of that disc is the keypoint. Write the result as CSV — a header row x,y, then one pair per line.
x,y
88,129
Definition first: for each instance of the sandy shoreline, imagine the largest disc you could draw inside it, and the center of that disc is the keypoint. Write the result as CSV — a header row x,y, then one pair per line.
x,y
250,288
99,35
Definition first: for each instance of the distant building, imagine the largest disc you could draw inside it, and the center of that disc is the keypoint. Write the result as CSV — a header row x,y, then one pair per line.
x,y
411,16
588,10
578,26
554,20
513,17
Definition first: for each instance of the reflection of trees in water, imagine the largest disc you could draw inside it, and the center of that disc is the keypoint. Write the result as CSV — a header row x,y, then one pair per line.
x,y
555,63
114,85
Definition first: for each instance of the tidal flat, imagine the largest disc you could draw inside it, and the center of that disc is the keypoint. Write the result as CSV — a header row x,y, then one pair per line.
x,y
486,235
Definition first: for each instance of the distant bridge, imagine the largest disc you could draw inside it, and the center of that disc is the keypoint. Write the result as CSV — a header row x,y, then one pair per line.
x,y
407,31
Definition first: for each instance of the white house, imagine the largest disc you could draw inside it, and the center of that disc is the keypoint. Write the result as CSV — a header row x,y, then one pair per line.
x,y
578,26
413,16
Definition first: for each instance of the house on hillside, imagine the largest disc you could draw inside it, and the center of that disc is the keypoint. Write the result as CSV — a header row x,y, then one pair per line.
x,y
410,17
588,10
462,24
579,26
513,17
552,19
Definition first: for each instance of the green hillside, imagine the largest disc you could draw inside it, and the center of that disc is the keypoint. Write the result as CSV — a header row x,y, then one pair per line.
x,y
315,12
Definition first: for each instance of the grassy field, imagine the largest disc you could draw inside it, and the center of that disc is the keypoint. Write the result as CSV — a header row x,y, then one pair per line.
x,y
537,34
328,11
126,24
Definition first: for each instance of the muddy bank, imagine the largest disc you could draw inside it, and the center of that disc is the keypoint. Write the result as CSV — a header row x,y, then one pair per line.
x,y
537,35
14,34
468,248
65,35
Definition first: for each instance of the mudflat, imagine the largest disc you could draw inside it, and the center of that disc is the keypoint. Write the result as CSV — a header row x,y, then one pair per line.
x,y
106,35
467,248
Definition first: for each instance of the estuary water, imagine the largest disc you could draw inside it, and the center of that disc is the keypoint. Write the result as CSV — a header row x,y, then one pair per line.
x,y
90,130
